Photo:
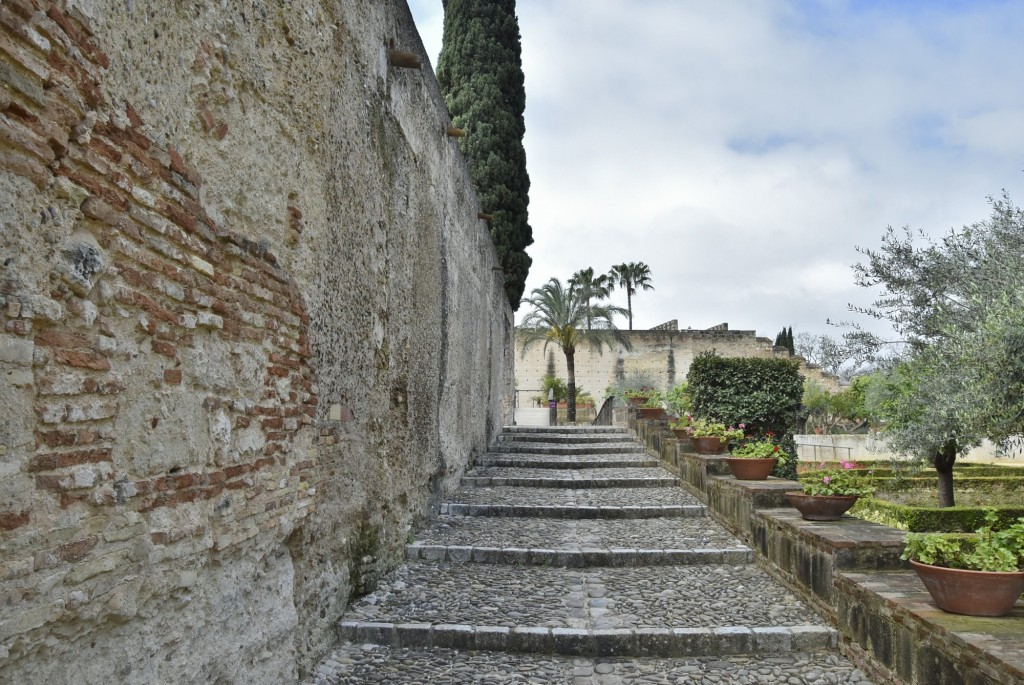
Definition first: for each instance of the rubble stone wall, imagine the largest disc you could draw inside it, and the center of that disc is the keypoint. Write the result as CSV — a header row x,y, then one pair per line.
x,y
251,330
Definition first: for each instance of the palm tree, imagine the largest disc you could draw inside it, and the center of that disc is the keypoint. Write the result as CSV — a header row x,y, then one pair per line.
x,y
591,287
558,316
633,276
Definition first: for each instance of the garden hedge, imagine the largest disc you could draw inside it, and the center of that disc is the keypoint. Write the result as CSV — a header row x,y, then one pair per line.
x,y
763,394
928,519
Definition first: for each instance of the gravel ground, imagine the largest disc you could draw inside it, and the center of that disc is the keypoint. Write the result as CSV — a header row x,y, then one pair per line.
x,y
698,596
351,664
673,533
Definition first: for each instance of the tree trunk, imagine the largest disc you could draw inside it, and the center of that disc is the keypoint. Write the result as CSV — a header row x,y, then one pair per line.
x,y
629,306
943,461
570,370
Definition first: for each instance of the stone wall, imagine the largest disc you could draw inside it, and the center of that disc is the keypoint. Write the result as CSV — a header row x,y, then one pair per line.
x,y
252,329
664,354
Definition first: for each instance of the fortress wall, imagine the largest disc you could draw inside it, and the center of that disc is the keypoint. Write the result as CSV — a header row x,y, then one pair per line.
x,y
250,330
665,355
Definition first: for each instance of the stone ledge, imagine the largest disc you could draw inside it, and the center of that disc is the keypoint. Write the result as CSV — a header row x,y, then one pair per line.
x,y
850,571
888,620
574,512
620,642
807,555
578,558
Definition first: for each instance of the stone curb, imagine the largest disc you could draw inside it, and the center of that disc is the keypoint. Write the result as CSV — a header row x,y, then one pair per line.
x,y
611,462
629,642
581,483
574,512
577,558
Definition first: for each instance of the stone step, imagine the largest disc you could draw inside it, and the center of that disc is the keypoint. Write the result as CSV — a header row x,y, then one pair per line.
x,y
570,478
699,610
559,438
363,663
576,558
574,535
562,461
568,449
604,503
579,431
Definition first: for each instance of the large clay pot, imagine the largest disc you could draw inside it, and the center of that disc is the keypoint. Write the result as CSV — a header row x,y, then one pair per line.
x,y
651,412
751,469
821,507
973,593
709,444
636,401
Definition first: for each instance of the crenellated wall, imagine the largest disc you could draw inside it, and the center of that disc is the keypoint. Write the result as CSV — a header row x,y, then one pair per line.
x,y
252,329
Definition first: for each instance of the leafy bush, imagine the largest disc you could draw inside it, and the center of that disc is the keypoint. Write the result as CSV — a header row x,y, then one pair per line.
x,y
926,519
678,400
764,394
987,550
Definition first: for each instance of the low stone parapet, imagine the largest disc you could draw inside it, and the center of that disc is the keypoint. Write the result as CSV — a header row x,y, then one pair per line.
x,y
891,629
851,572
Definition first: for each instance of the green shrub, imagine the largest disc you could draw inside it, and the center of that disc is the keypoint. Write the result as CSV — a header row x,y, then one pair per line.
x,y
929,519
763,394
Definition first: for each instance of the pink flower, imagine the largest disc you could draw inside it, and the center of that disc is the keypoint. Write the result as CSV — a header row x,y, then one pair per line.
x,y
743,425
826,479
848,465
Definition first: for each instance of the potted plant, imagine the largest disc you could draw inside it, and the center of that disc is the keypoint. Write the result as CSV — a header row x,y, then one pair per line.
x,y
755,459
712,437
637,396
977,575
683,428
829,491
652,408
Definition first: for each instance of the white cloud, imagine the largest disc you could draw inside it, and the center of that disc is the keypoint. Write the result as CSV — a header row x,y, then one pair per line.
x,y
743,149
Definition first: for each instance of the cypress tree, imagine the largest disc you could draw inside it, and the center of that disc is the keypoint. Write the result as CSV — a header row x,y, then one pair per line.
x,y
480,70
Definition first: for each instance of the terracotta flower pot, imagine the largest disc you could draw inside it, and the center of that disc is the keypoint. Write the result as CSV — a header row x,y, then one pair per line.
x,y
708,444
821,507
751,469
636,401
973,593
651,412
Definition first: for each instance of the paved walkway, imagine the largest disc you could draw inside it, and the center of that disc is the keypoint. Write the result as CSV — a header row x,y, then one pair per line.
x,y
569,556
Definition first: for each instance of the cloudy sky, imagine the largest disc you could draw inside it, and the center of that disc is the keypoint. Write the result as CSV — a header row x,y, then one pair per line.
x,y
744,148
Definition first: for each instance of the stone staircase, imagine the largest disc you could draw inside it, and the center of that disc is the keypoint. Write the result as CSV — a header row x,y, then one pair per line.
x,y
570,556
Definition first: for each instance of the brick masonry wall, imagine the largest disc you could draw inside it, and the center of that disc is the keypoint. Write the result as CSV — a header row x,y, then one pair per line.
x,y
251,331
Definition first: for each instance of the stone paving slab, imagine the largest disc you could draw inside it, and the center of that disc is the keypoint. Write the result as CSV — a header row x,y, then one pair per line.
x,y
355,663
644,477
562,461
698,597
561,534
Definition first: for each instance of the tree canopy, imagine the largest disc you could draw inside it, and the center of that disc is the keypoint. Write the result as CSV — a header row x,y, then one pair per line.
x,y
558,316
631,276
957,375
481,75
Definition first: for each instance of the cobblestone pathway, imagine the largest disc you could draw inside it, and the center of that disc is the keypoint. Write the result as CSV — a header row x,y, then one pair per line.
x,y
570,557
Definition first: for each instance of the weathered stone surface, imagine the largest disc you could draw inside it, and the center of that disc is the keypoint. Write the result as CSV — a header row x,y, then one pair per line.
x,y
220,221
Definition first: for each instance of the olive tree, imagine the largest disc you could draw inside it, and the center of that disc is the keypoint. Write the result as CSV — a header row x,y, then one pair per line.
x,y
957,305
